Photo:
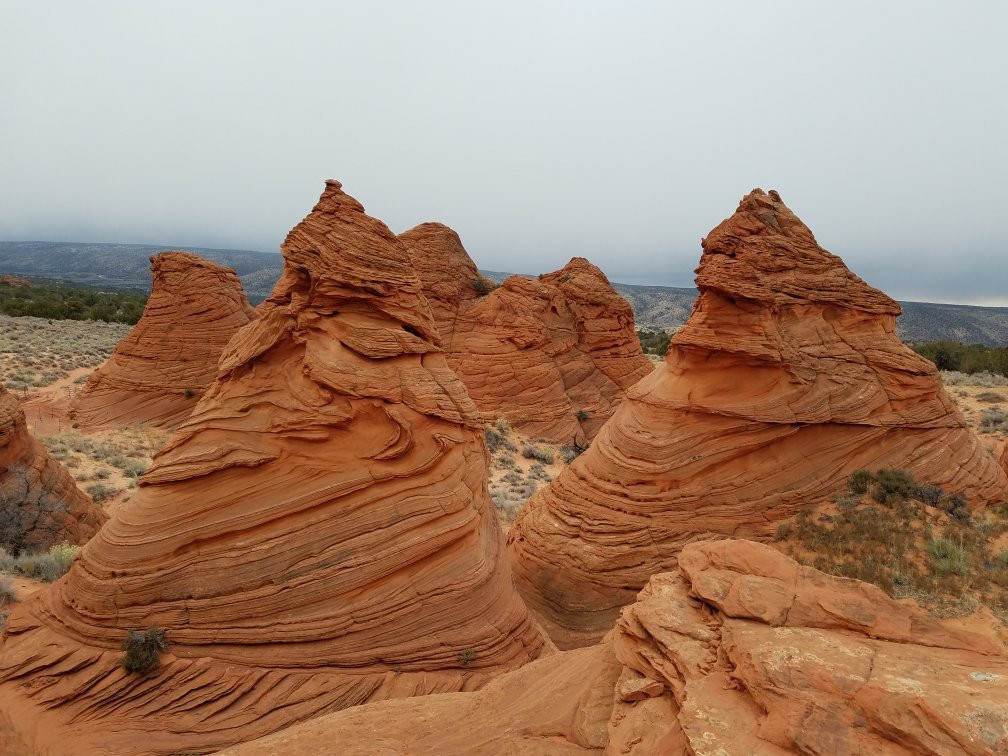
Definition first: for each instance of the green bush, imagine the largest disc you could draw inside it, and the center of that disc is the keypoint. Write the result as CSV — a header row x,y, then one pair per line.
x,y
654,342
466,657
860,481
972,358
63,302
892,485
483,286
582,415
143,650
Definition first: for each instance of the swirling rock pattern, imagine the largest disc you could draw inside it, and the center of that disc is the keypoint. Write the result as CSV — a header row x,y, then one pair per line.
x,y
787,377
158,372
40,504
316,535
555,355
741,650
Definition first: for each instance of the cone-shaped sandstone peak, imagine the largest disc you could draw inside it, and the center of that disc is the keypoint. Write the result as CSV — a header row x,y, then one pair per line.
x,y
158,372
553,355
41,504
787,377
317,534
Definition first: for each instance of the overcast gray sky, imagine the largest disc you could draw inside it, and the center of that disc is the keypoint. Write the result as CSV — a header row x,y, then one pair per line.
x,y
620,131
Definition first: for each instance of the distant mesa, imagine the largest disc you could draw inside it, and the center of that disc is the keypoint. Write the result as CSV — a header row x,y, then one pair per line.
x,y
40,504
787,377
739,650
161,369
316,535
553,355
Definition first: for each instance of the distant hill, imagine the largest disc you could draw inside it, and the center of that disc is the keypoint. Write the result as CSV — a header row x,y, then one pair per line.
x,y
126,266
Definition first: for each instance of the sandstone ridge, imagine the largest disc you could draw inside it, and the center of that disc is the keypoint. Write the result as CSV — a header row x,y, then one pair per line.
x,y
740,650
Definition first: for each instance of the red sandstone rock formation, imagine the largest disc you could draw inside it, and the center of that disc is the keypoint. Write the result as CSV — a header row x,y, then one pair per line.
x,y
316,535
40,504
451,281
787,378
159,371
554,356
741,650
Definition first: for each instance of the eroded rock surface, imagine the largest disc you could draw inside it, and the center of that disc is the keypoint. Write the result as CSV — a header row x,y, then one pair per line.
x,y
317,534
741,650
787,378
553,355
161,369
40,503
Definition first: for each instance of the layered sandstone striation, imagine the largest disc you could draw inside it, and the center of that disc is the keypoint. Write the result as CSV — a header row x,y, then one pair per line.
x,y
317,534
740,650
158,372
553,355
40,504
787,378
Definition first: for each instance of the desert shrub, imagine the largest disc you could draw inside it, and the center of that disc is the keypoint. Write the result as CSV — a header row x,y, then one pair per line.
x,y
47,566
993,419
957,505
990,397
483,286
502,426
860,481
783,531
7,592
6,561
188,393
582,415
497,441
538,472
100,492
927,494
63,555
133,468
466,657
891,485
540,452
948,557
143,650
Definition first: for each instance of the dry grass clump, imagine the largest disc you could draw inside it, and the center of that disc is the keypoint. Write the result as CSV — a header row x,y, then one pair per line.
x,y
993,419
910,540
36,352
541,452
